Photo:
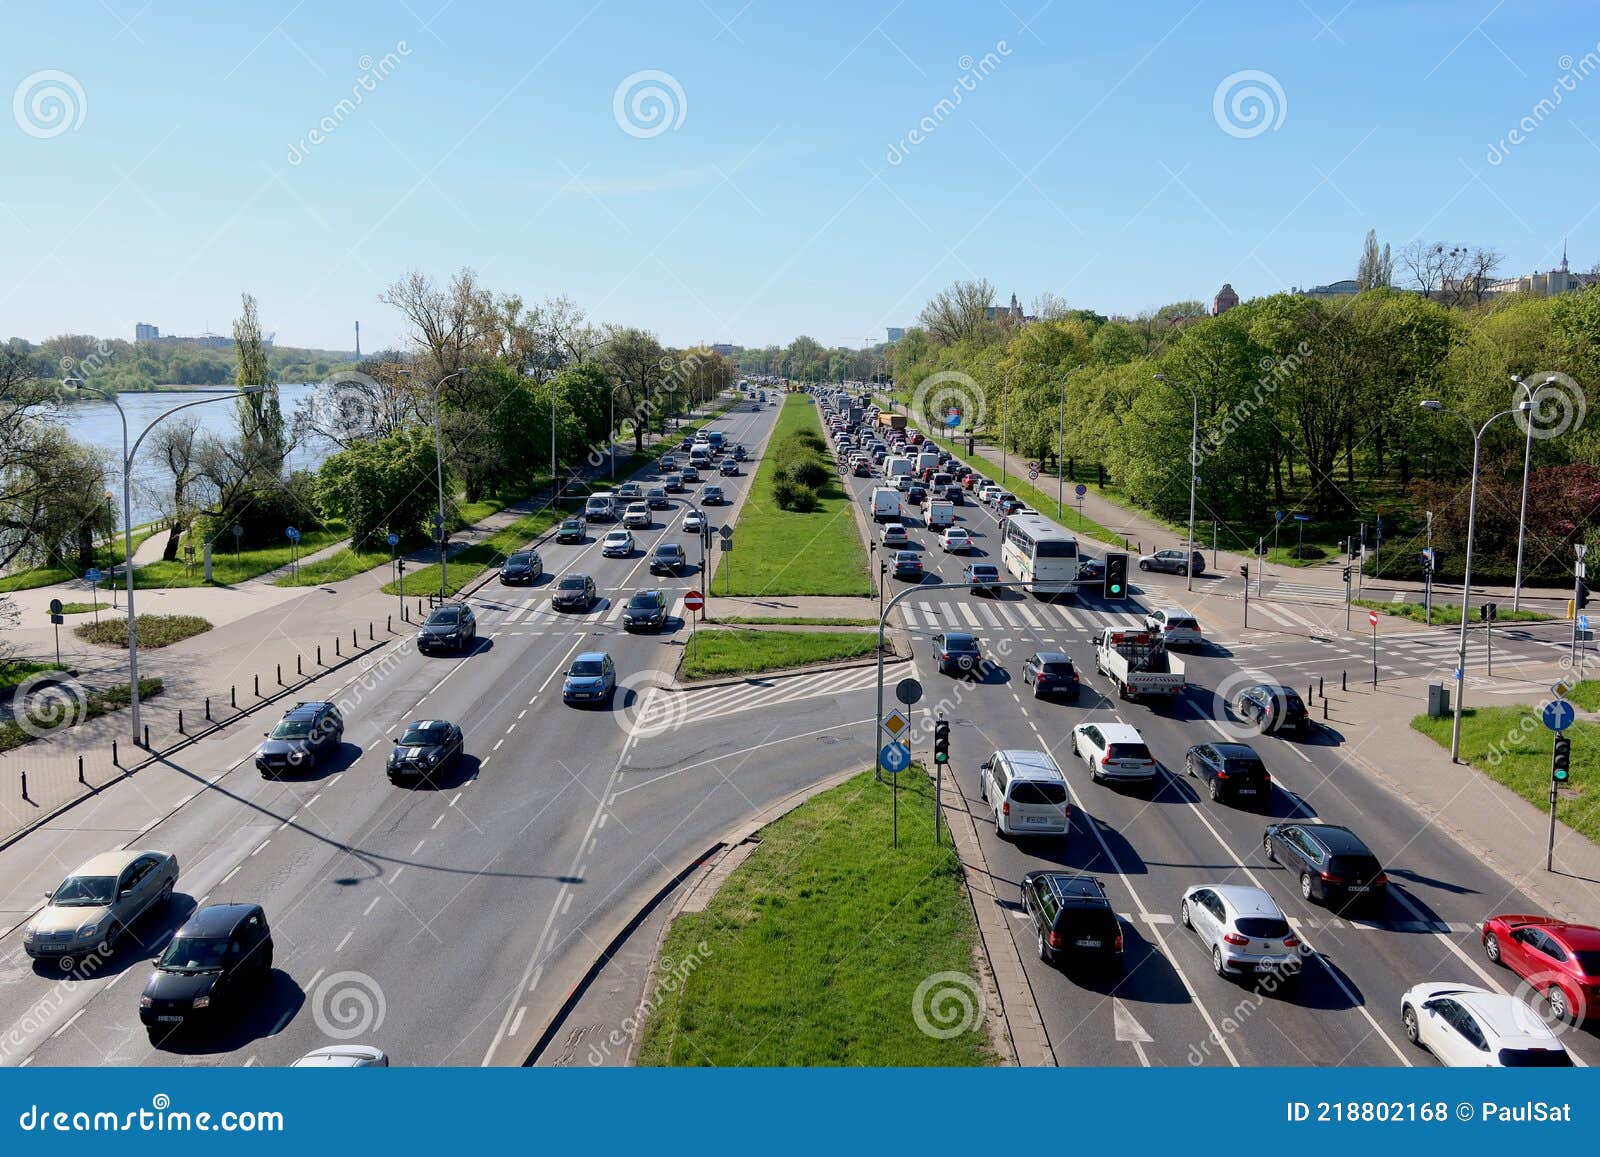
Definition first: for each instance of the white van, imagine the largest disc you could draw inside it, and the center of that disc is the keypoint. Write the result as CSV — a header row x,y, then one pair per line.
x,y
939,513
1027,792
700,454
600,507
927,460
885,504
896,467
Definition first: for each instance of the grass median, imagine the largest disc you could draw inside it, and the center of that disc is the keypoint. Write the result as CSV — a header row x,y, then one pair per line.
x,y
1445,615
154,631
711,652
815,948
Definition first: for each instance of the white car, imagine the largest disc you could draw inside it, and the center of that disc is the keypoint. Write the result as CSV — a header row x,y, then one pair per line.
x,y
1469,1027
956,540
637,514
1244,930
988,492
1176,626
94,907
343,1057
694,520
617,544
1113,751
894,534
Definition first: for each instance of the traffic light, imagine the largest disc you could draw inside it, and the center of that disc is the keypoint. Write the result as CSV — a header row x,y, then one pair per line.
x,y
1561,764
1346,576
1427,561
1582,594
1244,571
1116,576
941,742
1488,612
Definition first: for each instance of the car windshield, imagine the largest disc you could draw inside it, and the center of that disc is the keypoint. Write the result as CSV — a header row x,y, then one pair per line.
x,y
643,602
1262,927
444,617
572,524
667,548
1027,791
588,667
955,643
424,733
84,891
292,729
194,954
521,558
1128,751
617,536
571,584
1556,1058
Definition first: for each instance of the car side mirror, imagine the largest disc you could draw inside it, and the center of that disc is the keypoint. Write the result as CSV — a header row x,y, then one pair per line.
x,y
394,739
48,896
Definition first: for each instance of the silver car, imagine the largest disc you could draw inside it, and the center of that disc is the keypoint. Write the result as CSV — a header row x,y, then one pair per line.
x,y
93,907
1244,929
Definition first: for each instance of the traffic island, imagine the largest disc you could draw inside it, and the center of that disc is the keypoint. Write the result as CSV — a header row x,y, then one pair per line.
x,y
714,653
152,631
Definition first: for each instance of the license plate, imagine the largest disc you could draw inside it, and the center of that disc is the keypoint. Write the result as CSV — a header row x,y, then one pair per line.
x,y
1087,943
1247,791
170,1019
1358,887
1038,819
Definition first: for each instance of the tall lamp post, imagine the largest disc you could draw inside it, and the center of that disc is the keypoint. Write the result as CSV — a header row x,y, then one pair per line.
x,y
1477,433
128,454
1528,395
1194,469
438,468
1061,452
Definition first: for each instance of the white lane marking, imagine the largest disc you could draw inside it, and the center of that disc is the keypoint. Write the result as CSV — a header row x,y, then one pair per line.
x,y
263,844
230,875
340,946
72,1021
497,744
516,1022
559,667
454,801
396,875
742,751
368,910
603,818
437,822
418,848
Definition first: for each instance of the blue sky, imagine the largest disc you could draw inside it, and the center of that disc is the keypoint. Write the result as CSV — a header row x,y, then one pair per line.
x,y
786,195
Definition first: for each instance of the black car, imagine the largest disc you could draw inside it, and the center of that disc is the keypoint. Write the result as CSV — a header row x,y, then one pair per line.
x,y
1232,771
1073,920
1333,865
957,651
712,496
307,734
211,969
571,530
524,566
729,468
656,498
451,627
738,453
646,609
1091,570
667,558
917,495
573,592
427,746
1051,673
907,566
1272,707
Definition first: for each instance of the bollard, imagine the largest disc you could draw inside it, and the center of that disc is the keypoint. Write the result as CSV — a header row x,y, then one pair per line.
x,y
1320,691
337,654
1343,686
180,722
355,640
298,670
280,674
233,696
388,623
258,686
319,654
208,709
370,635
1310,698
1324,707
80,770
115,762
25,786
147,737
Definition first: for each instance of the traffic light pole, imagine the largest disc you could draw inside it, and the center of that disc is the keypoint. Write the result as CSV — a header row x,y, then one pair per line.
x,y
1244,570
1560,769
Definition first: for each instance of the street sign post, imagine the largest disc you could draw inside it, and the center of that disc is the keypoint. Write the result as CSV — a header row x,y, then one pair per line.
x,y
1300,525
1372,617
908,691
1080,490
1558,715
692,602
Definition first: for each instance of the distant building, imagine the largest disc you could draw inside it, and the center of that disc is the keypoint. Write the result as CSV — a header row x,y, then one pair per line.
x,y
1012,312
146,332
1345,288
1546,284
722,348
1225,300
894,333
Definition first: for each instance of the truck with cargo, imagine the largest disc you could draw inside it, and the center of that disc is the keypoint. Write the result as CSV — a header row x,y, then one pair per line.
x,y
892,421
1138,663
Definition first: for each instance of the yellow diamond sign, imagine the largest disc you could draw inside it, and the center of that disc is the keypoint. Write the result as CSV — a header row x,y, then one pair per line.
x,y
895,722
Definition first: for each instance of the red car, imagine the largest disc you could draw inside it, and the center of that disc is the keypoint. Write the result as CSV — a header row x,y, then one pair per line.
x,y
1558,959
970,481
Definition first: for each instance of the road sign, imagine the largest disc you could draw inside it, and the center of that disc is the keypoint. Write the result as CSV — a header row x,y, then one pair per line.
x,y
1033,476
895,723
1302,518
1372,617
1080,490
238,531
1583,622
894,758
1560,688
55,606
1033,467
1559,714
292,534
394,539
908,691
1277,516
92,575
693,601
727,533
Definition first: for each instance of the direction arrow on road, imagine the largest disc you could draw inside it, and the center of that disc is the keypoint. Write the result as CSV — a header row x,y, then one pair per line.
x,y
1130,1031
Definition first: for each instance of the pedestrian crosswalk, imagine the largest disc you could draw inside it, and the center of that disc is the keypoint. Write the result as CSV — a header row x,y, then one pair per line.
x,y
538,613
960,615
701,703
1307,592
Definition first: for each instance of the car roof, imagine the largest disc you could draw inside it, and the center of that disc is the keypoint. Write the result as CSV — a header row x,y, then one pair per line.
x,y
1234,750
1337,839
590,657
1029,764
339,1056
216,919
1579,937
984,566
309,710
960,636
112,863
1052,656
1246,900
1119,732
1075,889
1169,611
1506,1016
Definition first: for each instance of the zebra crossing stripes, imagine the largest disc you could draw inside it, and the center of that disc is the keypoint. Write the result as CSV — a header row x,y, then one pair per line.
x,y
1306,592
1046,617
712,702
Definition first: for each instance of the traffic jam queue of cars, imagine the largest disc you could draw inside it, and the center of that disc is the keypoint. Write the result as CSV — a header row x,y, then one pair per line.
x,y
1240,927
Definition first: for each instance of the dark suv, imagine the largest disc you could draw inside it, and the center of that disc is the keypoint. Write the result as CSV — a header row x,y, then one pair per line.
x,y
211,968
524,566
1051,673
1272,707
667,558
1232,771
957,651
1073,920
307,734
646,609
451,627
1335,868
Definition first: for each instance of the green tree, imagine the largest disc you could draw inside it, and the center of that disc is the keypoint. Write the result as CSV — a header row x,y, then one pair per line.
x,y
383,486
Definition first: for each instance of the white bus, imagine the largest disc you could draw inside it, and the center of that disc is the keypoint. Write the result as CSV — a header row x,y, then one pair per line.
x,y
1040,553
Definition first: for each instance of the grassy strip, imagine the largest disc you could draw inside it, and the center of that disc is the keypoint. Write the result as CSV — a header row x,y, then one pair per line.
x,y
62,714
785,552
106,555
794,620
465,566
340,565
154,631
16,673
711,652
228,568
1586,695
1511,746
813,950
1445,615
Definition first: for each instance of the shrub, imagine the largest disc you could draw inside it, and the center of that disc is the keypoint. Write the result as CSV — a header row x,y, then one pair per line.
x,y
791,495
154,630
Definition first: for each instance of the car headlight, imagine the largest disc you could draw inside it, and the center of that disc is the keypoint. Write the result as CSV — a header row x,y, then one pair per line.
x,y
296,756
91,930
202,1002
145,1002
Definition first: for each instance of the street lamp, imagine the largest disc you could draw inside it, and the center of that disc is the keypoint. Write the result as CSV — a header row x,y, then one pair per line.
x,y
1061,451
438,467
1194,467
127,516
1527,459
1437,407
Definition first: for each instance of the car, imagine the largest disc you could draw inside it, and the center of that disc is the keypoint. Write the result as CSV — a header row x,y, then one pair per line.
x,y
617,544
637,514
573,592
1027,793
862,469
667,558
522,566
592,678
971,482
631,491
645,610
894,534
1243,930
712,496
1176,626
1272,707
729,468
1114,752
1007,505
951,494
1232,772
570,530
1091,570
656,498
1333,866
1464,1026
907,565
916,495
955,540
425,747
690,473
214,967
667,462
343,1057
1172,562
981,576
307,734
1073,920
673,483
1050,673
1560,960
91,910
739,454
448,627
686,445
957,652
694,520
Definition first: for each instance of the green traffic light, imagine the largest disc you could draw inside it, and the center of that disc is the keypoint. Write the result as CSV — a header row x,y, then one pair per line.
x,y
1116,588
1561,775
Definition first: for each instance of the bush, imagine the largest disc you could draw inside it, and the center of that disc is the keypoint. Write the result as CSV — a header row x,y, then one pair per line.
x,y
154,630
791,495
807,472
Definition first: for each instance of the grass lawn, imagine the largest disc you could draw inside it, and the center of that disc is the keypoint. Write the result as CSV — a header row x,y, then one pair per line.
x,y
785,552
71,710
465,566
154,630
794,620
1511,746
106,555
15,673
341,564
710,652
813,950
1313,555
1586,695
226,568
1446,616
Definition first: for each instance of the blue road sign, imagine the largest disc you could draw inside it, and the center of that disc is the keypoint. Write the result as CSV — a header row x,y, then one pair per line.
x,y
292,534
1277,516
92,574
1559,714
1080,490
952,419
1583,622
894,758
1302,518
394,540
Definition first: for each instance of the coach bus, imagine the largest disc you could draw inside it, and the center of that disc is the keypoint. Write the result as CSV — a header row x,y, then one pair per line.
x,y
1040,553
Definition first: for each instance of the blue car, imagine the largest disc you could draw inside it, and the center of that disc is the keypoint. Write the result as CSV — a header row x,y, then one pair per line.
x,y
591,679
